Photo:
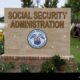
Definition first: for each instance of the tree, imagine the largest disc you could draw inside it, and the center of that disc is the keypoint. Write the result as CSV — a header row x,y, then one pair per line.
x,y
1,19
75,9
26,3
51,3
46,3
47,67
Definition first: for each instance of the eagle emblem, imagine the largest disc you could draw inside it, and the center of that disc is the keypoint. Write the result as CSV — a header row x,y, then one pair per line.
x,y
37,38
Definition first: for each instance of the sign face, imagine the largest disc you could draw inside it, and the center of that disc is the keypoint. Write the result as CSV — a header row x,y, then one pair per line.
x,y
37,32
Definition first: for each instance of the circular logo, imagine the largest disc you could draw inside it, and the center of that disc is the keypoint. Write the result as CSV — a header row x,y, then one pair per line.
x,y
37,38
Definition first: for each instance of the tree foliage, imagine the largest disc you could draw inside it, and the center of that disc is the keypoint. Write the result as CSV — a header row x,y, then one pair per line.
x,y
1,19
74,5
26,3
75,8
51,3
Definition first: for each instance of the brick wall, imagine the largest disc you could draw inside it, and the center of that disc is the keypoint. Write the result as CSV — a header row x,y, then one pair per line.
x,y
34,63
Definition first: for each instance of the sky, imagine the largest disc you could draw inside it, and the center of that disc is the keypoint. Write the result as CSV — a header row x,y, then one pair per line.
x,y
17,4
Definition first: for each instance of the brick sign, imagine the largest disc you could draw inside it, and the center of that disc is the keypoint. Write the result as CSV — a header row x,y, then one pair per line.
x,y
37,32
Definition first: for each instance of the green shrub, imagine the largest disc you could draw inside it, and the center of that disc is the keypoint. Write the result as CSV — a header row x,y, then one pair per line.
x,y
78,64
24,68
47,67
1,47
53,65
11,65
1,68
4,67
75,31
57,61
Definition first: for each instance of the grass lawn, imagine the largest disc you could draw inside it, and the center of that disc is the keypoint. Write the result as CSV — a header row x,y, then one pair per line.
x,y
75,48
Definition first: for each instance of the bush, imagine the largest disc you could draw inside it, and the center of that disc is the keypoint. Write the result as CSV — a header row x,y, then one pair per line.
x,y
4,67
78,64
24,68
11,65
1,68
1,47
53,65
47,67
75,31
58,62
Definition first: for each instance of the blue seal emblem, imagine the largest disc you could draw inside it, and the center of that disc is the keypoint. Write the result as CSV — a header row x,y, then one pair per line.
x,y
37,38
